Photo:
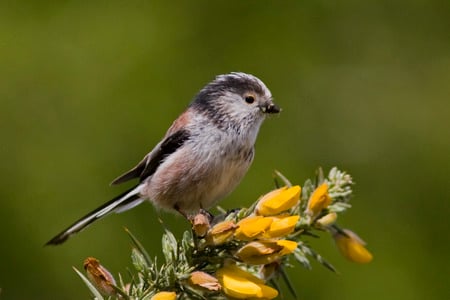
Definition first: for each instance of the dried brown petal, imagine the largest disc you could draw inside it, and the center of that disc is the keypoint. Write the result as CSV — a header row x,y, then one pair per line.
x,y
100,277
204,280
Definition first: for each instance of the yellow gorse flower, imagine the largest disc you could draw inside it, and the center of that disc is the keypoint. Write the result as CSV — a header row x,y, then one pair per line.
x,y
352,247
278,201
265,251
319,200
164,296
233,255
239,284
281,226
252,227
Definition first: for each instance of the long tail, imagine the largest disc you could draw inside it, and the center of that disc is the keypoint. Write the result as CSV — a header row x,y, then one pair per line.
x,y
124,201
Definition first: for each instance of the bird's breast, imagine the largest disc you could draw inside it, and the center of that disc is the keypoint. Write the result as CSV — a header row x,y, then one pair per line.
x,y
200,174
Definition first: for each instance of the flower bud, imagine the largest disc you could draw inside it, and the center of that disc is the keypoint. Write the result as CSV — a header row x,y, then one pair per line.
x,y
319,200
164,296
200,224
239,284
327,220
352,247
99,276
204,280
278,201
269,271
220,233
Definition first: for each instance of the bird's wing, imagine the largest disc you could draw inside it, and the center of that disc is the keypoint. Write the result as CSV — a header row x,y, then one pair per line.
x,y
152,160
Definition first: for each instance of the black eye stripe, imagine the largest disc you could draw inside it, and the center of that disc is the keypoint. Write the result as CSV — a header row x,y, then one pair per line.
x,y
249,99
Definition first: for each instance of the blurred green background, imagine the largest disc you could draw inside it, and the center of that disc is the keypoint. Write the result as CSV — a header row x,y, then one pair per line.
x,y
87,88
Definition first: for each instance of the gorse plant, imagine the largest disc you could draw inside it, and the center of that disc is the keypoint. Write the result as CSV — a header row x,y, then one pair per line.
x,y
240,254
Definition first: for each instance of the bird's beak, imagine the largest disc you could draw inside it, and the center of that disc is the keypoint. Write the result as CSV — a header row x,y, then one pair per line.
x,y
270,108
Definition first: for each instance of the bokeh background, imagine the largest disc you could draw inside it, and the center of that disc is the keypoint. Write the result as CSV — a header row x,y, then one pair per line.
x,y
88,87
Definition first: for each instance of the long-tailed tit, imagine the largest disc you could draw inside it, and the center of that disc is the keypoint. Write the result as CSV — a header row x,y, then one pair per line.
x,y
203,156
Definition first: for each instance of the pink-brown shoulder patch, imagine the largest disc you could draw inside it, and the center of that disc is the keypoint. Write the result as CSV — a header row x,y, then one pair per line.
x,y
180,122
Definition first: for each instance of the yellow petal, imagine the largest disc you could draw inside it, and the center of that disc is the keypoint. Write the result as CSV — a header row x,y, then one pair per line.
x,y
352,247
233,269
319,200
239,287
164,296
267,292
251,227
278,201
288,246
239,284
281,226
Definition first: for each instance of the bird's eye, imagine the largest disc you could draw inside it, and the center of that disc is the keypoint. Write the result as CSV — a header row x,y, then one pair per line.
x,y
249,99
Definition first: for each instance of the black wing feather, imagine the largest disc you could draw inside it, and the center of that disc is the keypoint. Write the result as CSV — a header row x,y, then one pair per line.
x,y
152,161
133,173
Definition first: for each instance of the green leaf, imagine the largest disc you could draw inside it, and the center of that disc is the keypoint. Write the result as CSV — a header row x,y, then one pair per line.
x,y
340,185
187,242
302,259
288,283
283,178
308,251
169,247
91,287
319,176
138,259
339,207
140,247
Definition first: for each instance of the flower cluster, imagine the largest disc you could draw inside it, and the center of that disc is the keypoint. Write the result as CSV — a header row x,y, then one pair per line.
x,y
239,254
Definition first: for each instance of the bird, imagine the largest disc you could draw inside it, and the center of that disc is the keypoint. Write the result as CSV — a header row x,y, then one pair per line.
x,y
202,157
